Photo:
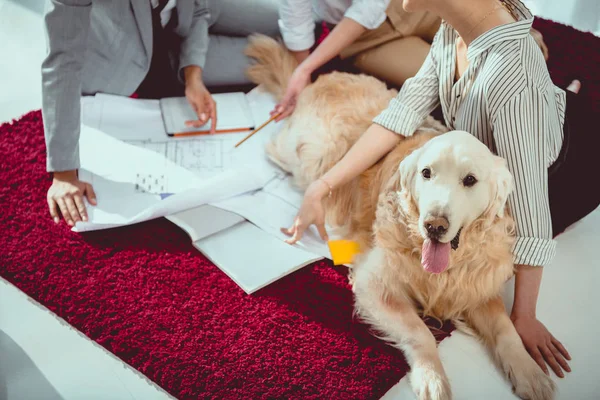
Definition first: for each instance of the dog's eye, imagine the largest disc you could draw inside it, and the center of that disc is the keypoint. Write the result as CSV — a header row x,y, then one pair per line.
x,y
469,180
426,173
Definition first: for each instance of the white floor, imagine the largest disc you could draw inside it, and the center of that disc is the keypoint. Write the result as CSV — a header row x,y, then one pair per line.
x,y
41,357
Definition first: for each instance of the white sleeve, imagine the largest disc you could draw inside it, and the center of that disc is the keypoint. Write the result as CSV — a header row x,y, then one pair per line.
x,y
368,13
296,24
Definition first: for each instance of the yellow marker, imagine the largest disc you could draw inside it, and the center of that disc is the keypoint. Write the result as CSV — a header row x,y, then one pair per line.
x,y
343,251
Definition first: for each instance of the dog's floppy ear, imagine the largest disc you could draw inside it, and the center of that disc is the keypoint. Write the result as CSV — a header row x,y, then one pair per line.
x,y
408,170
502,187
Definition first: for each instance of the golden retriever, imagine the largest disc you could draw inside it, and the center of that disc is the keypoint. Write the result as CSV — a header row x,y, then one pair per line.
x,y
430,217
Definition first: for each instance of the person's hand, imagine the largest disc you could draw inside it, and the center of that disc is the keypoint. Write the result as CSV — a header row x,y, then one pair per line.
x,y
541,345
66,196
311,212
203,104
298,81
537,35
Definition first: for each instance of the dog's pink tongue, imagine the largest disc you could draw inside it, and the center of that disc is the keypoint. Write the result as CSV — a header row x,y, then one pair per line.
x,y
435,256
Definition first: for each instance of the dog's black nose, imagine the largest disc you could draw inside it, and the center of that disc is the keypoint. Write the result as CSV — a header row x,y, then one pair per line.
x,y
436,227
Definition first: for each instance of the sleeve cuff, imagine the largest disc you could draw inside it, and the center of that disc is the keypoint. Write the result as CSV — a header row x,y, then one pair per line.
x,y
359,16
191,59
59,164
195,46
296,40
535,252
399,119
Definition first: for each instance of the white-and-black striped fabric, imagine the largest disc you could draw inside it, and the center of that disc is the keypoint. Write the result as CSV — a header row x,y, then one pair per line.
x,y
508,101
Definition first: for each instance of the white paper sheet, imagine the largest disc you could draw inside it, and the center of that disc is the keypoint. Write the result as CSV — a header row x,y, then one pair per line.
x,y
233,112
124,118
251,257
203,221
273,208
134,185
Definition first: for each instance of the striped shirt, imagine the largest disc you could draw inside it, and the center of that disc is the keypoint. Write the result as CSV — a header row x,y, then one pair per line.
x,y
508,101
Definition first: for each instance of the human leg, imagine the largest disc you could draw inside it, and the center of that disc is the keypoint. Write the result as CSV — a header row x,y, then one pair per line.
x,y
243,18
394,61
226,62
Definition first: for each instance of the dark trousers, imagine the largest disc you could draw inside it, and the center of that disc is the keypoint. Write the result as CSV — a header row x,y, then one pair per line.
x,y
574,178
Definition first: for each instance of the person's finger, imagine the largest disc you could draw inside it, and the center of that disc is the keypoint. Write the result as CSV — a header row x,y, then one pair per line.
x,y
72,208
199,109
64,211
291,230
322,231
559,357
213,116
288,111
78,199
549,357
286,107
539,359
194,124
90,194
300,228
53,207
298,235
561,348
284,102
288,231
283,105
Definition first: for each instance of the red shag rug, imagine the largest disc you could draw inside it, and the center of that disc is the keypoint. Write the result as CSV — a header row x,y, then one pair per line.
x,y
146,295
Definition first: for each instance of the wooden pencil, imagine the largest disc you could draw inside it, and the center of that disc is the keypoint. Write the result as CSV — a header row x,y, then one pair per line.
x,y
194,133
257,129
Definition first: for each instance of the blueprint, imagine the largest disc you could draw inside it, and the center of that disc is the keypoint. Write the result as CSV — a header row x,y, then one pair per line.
x,y
204,157
139,123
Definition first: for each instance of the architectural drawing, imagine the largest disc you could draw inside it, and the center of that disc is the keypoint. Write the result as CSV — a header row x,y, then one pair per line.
x,y
205,157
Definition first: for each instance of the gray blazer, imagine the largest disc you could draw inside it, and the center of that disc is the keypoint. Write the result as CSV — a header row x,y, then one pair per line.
x,y
103,46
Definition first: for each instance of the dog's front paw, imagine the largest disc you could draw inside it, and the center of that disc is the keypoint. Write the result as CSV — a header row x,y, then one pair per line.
x,y
429,382
531,383
528,380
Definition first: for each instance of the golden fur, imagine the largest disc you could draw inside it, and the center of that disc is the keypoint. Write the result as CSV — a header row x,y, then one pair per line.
x,y
390,285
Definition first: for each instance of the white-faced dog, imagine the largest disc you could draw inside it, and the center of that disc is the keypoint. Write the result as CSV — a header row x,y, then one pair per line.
x,y
453,179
